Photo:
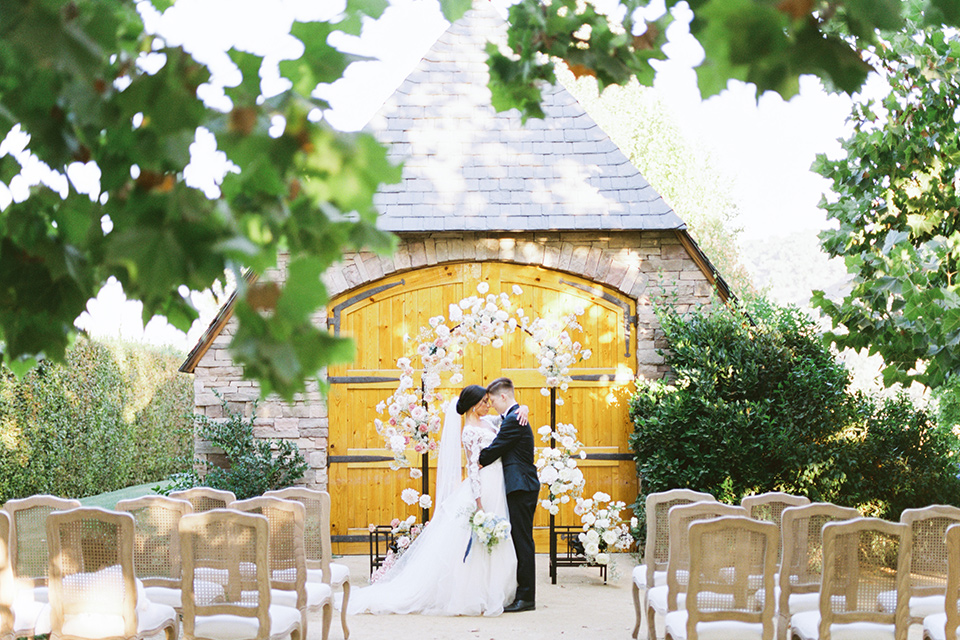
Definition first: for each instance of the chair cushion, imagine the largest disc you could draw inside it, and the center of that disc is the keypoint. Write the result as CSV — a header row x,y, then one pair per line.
x,y
657,599
223,626
640,577
806,625
676,626
317,594
920,606
339,573
104,625
934,627
30,616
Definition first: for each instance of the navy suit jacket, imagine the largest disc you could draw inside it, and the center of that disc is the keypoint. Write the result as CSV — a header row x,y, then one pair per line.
x,y
513,445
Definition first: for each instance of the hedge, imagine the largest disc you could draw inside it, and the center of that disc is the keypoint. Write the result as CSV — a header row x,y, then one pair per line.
x,y
112,415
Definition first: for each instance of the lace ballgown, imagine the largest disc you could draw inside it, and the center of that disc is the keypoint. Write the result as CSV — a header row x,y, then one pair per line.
x,y
432,577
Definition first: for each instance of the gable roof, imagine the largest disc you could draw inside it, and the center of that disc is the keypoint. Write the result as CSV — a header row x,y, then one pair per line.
x,y
468,167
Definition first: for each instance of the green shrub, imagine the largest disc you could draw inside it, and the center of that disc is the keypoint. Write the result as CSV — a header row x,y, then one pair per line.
x,y
758,403
111,416
254,465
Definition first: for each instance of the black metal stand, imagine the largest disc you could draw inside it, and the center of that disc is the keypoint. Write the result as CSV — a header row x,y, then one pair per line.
x,y
381,539
553,518
573,555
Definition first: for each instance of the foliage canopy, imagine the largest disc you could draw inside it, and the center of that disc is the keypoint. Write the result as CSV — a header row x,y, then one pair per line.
x,y
897,203
98,94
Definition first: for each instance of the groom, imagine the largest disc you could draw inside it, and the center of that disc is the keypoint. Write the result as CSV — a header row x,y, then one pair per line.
x,y
514,445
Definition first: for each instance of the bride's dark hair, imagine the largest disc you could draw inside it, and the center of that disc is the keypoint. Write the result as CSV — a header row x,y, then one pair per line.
x,y
469,397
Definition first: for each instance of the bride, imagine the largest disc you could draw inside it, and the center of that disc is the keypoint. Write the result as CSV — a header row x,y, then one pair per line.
x,y
438,574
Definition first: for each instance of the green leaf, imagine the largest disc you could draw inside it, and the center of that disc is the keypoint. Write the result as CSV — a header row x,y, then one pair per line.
x,y
453,10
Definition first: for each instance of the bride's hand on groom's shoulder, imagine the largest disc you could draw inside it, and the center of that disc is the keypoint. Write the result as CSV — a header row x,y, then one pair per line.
x,y
523,414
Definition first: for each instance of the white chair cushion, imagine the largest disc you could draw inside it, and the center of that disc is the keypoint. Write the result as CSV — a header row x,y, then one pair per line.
x,y
920,606
640,576
317,594
676,626
807,626
164,595
800,602
339,573
99,625
228,627
657,599
30,616
934,627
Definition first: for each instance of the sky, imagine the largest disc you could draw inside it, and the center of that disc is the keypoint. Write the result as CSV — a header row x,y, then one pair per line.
x,y
767,144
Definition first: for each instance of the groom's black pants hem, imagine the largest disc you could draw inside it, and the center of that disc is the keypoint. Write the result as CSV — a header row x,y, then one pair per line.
x,y
521,506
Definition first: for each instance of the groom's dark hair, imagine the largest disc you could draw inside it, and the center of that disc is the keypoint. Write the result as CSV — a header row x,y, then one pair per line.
x,y
500,385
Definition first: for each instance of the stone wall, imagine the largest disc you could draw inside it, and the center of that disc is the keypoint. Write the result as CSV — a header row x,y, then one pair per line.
x,y
641,265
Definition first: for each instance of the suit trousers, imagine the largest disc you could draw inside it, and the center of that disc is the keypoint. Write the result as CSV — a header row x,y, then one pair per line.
x,y
521,506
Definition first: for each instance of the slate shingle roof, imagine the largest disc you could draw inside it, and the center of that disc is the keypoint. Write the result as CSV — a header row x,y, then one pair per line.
x,y
470,168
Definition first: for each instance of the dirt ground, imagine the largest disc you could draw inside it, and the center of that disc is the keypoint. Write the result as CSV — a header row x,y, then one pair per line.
x,y
578,606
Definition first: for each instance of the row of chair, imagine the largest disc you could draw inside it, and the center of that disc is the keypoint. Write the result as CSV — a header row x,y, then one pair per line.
x,y
816,569
232,569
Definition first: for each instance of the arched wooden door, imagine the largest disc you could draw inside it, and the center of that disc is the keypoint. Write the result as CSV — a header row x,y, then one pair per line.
x,y
363,487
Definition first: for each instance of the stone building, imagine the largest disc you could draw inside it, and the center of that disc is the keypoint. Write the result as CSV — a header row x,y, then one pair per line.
x,y
552,206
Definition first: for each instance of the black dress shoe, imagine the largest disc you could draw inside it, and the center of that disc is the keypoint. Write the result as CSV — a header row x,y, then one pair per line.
x,y
520,605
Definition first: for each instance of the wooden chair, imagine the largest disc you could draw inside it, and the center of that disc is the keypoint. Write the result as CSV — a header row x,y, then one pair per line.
x,y
728,557
672,596
288,563
653,571
94,593
29,556
940,626
769,507
18,618
861,558
928,561
318,548
802,561
156,549
205,498
221,540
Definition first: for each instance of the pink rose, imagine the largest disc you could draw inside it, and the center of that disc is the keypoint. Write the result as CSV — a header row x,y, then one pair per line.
x,y
395,523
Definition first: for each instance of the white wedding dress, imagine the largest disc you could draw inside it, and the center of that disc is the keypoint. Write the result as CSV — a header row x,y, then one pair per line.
x,y
432,577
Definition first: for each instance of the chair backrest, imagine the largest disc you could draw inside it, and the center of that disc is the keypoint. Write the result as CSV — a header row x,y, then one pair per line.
x,y
656,552
6,579
29,555
769,506
156,548
953,581
729,556
863,558
928,555
316,525
205,498
219,542
91,567
287,561
680,519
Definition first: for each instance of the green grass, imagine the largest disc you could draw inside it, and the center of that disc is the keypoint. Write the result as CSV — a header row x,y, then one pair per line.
x,y
109,500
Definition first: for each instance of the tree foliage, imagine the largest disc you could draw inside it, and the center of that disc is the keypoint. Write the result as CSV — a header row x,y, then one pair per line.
x,y
897,204
758,403
96,93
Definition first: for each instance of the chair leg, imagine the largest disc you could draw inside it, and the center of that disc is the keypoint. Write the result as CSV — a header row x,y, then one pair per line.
x,y
651,624
636,608
782,621
343,610
327,618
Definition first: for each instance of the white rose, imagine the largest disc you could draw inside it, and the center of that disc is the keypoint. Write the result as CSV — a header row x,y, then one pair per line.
x,y
517,290
634,522
415,473
593,537
482,288
549,475
600,496
545,504
410,496
496,344
554,509
544,391
425,501
610,537
398,443
544,430
591,549
602,558
587,519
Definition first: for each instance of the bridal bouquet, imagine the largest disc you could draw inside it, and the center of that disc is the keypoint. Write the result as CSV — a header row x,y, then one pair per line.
x,y
489,528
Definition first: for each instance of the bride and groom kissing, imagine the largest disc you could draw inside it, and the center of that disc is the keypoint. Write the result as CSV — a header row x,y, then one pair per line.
x,y
442,572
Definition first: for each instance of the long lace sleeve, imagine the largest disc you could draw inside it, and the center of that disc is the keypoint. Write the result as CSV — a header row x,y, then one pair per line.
x,y
472,443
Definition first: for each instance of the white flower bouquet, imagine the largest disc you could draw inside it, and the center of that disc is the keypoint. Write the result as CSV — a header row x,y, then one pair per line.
x,y
603,529
490,529
557,466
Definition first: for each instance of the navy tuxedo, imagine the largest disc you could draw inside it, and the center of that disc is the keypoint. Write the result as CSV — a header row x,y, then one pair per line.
x,y
514,446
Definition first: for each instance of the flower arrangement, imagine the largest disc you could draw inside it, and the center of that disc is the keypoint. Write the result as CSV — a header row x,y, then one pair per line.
x,y
489,528
556,350
409,422
603,529
404,532
557,466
